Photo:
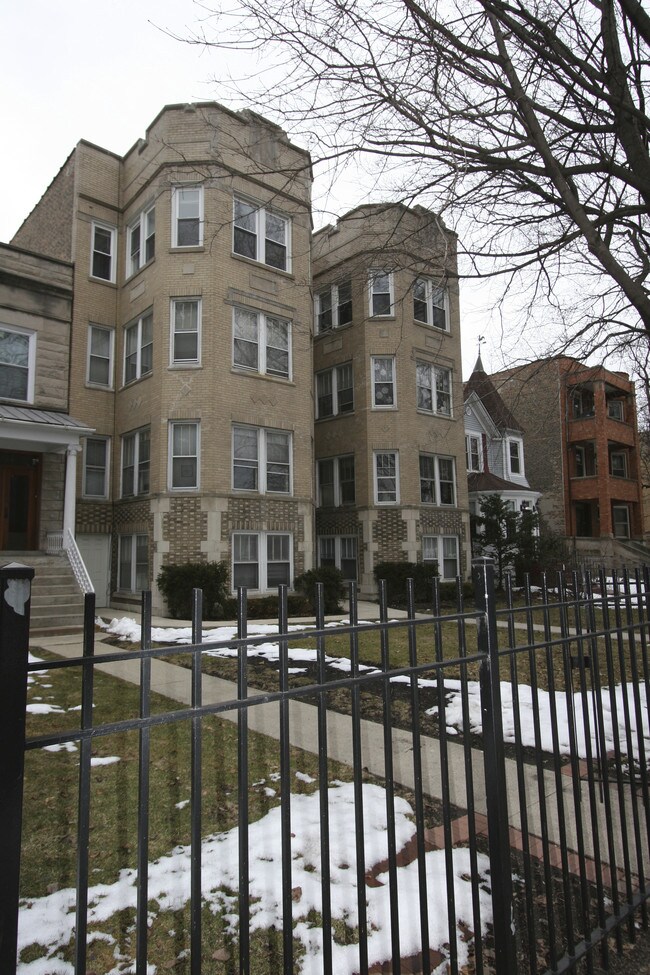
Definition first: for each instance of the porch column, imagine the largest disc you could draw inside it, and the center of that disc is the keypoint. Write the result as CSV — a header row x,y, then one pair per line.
x,y
70,496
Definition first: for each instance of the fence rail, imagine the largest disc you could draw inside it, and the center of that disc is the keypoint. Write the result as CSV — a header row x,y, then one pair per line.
x,y
462,788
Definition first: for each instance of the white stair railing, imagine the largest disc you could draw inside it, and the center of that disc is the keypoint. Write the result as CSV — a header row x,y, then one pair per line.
x,y
77,563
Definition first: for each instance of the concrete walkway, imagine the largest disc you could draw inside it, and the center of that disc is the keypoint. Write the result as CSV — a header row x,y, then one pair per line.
x,y
174,682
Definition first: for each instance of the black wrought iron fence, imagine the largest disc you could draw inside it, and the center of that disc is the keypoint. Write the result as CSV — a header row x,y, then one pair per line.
x,y
466,788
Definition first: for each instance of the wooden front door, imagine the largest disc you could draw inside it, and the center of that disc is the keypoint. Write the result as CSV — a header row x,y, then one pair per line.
x,y
19,483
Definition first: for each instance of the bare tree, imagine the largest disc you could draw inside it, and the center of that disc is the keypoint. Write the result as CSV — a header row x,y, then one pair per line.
x,y
524,122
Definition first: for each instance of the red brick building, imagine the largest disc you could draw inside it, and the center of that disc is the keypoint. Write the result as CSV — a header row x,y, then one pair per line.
x,y
583,449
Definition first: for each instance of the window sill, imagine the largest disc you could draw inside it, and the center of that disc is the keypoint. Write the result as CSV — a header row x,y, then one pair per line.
x,y
111,284
435,328
252,374
437,416
100,386
190,249
333,331
336,416
129,279
260,265
134,382
176,366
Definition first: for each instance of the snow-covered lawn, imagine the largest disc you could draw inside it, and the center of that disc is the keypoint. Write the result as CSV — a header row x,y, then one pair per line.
x,y
49,921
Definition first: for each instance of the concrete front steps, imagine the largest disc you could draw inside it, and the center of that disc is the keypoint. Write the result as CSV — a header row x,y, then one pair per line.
x,y
57,602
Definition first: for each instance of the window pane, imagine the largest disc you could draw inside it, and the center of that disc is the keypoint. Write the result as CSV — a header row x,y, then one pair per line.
x,y
275,245
277,347
245,461
430,548
386,477
126,548
186,316
383,382
439,302
277,456
346,480
14,363
423,384
102,247
186,348
324,304
245,348
427,480
420,301
345,303
141,562
326,482
245,237
324,394
443,395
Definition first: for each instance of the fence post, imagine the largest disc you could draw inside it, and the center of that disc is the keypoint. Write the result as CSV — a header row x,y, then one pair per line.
x,y
495,769
15,596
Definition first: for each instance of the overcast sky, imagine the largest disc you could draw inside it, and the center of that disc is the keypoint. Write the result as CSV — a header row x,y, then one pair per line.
x,y
81,70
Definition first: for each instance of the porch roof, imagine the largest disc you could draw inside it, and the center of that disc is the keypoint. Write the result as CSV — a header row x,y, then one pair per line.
x,y
23,427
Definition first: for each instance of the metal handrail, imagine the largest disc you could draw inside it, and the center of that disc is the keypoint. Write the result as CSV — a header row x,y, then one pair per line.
x,y
77,563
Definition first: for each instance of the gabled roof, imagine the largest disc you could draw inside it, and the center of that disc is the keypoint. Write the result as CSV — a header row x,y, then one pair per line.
x,y
481,384
484,482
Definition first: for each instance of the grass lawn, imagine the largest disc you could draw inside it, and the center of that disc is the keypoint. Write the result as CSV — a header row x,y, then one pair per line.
x,y
50,822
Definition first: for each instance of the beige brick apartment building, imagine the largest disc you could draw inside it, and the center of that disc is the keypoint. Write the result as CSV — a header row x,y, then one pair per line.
x,y
190,346
389,436
192,351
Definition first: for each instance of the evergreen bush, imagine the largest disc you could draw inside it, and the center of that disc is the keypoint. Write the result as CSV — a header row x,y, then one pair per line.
x,y
176,583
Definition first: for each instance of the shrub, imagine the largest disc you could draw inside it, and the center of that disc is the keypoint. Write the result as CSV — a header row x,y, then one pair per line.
x,y
332,580
396,575
266,607
176,583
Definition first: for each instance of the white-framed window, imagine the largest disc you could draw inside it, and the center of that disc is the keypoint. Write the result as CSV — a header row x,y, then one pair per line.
x,y
101,343
430,304
437,480
341,552
262,235
335,391
515,456
261,560
138,348
17,363
443,550
261,343
333,306
102,251
136,463
386,471
185,341
582,401
382,296
473,453
141,240
133,563
621,520
96,461
616,409
433,384
618,463
184,453
335,481
384,389
261,460
187,216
